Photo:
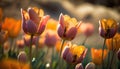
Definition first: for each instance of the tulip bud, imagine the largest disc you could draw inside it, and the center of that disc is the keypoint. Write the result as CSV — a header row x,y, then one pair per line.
x,y
118,54
79,66
20,44
66,55
22,56
90,65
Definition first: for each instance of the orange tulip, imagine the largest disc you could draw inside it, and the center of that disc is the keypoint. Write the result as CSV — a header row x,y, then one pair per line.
x,y
52,24
116,42
74,54
97,55
13,64
12,26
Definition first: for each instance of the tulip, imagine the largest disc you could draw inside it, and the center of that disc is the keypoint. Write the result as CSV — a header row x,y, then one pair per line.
x,y
79,66
33,21
90,65
22,57
74,54
20,44
13,64
97,55
107,28
87,29
113,43
51,38
67,28
13,27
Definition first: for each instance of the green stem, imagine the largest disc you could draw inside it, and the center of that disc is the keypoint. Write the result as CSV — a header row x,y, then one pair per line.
x,y
103,53
52,56
30,52
59,61
108,60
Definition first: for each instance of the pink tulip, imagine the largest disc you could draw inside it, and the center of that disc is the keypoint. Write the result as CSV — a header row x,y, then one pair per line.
x,y
69,57
65,29
87,29
32,23
51,38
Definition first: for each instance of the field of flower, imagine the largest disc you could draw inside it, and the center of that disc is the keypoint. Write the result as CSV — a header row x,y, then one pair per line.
x,y
34,36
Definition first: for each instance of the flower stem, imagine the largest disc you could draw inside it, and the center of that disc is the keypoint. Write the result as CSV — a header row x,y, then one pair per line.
x,y
103,53
108,60
30,52
63,41
112,56
52,56
84,40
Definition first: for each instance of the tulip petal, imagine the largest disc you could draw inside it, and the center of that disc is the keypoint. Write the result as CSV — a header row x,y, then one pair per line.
x,y
31,27
23,22
60,31
71,33
33,15
79,66
61,21
65,52
42,24
82,56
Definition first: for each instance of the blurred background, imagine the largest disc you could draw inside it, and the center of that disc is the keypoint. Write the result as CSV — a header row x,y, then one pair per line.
x,y
86,10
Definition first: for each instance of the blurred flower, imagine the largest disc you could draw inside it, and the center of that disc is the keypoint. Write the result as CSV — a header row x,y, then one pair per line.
x,y
58,45
41,42
20,43
1,14
33,21
27,40
79,66
107,28
86,28
3,36
13,64
97,55
118,54
67,28
74,54
115,41
12,26
90,65
52,24
6,46
51,38
22,56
